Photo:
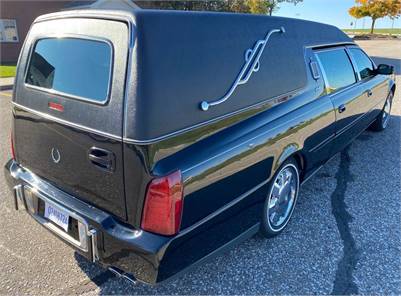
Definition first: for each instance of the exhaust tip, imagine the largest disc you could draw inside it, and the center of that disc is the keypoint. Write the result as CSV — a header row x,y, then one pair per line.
x,y
121,274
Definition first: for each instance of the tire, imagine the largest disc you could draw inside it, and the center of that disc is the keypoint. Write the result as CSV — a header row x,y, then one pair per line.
x,y
278,207
383,118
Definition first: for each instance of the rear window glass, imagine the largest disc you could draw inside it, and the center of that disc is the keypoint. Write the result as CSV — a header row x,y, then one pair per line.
x,y
76,67
337,68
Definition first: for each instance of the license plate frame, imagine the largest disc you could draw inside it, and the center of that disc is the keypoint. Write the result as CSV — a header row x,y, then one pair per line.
x,y
57,216
29,198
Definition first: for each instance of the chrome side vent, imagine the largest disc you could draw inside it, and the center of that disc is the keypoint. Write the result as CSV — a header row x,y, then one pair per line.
x,y
314,70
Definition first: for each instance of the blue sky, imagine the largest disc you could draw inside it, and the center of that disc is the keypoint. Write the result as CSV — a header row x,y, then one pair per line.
x,y
333,12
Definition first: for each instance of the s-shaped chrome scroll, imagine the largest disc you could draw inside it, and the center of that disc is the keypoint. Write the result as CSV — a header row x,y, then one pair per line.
x,y
251,65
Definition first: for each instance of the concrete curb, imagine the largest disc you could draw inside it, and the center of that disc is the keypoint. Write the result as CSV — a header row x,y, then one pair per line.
x,y
6,87
6,83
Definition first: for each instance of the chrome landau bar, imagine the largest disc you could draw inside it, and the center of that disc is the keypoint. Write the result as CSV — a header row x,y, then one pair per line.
x,y
252,64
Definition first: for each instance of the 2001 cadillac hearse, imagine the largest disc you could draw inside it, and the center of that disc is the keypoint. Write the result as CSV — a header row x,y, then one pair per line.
x,y
150,140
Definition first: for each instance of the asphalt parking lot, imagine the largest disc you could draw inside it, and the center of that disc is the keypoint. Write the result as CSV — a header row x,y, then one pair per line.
x,y
344,237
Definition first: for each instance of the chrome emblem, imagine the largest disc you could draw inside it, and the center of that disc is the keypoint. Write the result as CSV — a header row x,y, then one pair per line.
x,y
252,64
55,155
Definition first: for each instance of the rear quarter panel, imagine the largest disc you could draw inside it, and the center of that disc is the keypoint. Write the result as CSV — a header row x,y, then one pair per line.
x,y
238,161
226,173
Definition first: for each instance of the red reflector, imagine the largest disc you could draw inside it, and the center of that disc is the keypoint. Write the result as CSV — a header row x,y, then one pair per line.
x,y
12,146
163,205
56,106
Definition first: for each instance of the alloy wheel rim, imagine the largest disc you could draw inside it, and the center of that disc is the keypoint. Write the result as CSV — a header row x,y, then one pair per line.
x,y
386,112
282,197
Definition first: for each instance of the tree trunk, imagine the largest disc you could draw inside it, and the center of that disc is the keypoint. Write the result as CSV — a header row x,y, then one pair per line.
x,y
271,6
373,26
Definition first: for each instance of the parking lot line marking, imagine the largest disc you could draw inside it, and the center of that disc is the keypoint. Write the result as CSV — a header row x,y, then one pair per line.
x,y
6,94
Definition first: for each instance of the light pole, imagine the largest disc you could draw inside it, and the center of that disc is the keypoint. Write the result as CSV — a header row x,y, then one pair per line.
x,y
392,27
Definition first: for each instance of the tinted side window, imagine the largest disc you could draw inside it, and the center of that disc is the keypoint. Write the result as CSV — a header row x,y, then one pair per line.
x,y
337,67
76,67
363,63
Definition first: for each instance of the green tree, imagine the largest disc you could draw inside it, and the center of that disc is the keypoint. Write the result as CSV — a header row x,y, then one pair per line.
x,y
273,5
243,6
237,6
258,6
376,9
266,6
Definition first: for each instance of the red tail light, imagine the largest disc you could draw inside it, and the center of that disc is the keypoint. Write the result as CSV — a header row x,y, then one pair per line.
x,y
12,146
163,205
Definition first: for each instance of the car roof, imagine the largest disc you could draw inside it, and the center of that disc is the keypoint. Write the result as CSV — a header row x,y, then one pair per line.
x,y
182,58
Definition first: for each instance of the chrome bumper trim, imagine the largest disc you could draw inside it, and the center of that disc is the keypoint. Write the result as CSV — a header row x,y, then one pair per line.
x,y
93,238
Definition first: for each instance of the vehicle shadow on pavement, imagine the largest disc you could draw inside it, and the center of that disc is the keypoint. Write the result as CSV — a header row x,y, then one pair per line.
x,y
312,256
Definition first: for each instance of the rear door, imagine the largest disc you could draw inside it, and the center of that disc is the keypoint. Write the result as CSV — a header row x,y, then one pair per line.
x,y
347,96
68,108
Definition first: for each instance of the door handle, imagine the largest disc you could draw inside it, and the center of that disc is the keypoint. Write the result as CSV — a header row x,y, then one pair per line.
x,y
369,92
341,108
102,158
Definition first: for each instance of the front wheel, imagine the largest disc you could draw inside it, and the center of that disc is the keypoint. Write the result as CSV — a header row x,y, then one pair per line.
x,y
383,118
281,199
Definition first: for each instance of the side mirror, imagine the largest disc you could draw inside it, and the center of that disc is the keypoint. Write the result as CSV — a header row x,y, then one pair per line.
x,y
384,69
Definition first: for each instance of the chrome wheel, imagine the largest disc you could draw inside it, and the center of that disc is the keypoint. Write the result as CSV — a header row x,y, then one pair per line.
x,y
282,198
386,112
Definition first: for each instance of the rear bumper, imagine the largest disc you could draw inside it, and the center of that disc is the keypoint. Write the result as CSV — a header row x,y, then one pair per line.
x,y
102,238
148,257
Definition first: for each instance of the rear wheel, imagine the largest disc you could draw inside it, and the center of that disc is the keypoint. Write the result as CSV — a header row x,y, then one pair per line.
x,y
281,199
383,118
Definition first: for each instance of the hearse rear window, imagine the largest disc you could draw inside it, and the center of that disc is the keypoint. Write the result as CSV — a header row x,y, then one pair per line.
x,y
79,68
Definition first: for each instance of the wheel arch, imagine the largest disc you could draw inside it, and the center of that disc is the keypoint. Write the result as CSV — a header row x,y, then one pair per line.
x,y
392,86
292,151
298,156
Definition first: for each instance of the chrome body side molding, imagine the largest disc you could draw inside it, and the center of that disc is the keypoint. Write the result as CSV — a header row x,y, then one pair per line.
x,y
252,64
149,141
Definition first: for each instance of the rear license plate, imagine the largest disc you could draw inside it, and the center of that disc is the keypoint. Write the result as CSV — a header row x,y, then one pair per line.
x,y
57,216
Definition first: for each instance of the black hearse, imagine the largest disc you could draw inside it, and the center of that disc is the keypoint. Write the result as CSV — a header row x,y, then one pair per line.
x,y
150,140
